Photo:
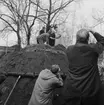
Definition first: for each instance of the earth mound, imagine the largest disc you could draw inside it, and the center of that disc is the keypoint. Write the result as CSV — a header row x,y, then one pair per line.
x,y
31,59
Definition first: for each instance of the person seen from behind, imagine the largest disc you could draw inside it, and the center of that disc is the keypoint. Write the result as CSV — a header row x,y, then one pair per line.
x,y
42,31
83,68
43,38
47,81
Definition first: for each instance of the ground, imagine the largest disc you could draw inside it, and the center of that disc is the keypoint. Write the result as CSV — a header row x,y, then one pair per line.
x,y
31,59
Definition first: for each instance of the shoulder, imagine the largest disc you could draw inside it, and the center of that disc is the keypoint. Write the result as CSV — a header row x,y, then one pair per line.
x,y
55,80
70,47
91,45
44,35
44,71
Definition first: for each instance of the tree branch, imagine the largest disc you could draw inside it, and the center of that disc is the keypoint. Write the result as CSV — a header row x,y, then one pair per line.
x,y
8,17
40,6
62,6
10,7
41,20
28,10
8,24
35,15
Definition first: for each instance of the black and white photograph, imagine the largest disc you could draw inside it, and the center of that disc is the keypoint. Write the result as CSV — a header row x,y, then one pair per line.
x,y
51,52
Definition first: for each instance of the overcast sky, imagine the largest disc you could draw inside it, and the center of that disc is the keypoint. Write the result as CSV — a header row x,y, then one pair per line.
x,y
84,12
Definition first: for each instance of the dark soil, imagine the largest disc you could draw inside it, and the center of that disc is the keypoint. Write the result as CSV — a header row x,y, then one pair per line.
x,y
30,59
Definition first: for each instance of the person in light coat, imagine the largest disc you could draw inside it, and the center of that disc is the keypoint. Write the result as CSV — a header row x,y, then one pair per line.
x,y
47,81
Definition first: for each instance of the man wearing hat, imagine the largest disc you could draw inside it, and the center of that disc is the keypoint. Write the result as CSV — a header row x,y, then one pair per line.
x,y
45,84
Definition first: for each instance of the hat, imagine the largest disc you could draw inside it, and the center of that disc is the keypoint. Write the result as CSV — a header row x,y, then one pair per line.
x,y
55,68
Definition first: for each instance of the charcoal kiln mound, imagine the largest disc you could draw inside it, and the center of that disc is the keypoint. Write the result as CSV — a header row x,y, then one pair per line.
x,y
31,59
19,71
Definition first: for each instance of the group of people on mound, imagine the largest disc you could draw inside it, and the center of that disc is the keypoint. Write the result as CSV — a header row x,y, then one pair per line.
x,y
49,36
82,83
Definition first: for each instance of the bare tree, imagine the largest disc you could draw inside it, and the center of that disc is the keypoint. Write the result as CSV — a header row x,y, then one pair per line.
x,y
52,11
29,17
98,16
10,17
19,17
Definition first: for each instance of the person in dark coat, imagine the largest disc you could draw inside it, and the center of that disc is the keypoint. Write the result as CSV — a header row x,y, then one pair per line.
x,y
83,69
41,35
53,36
42,31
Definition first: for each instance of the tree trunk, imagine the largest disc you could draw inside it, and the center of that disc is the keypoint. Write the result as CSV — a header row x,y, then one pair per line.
x,y
49,16
28,40
48,22
28,37
48,26
19,41
18,36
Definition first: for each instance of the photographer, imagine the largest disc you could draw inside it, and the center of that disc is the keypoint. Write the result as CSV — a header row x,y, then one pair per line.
x,y
47,81
83,67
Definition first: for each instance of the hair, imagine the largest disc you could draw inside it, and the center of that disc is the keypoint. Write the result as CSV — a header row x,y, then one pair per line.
x,y
55,26
55,69
43,27
82,36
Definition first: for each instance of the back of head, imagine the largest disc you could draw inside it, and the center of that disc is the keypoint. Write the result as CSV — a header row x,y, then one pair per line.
x,y
55,69
55,26
43,27
82,36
